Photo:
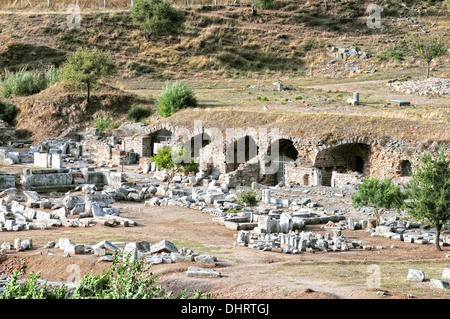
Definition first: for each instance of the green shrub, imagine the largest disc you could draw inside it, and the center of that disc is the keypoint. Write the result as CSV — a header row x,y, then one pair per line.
x,y
23,82
137,113
105,122
308,45
31,289
174,97
53,75
249,197
8,112
125,279
265,4
156,17
191,167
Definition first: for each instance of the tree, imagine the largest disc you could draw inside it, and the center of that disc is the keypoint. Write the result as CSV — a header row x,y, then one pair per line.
x,y
429,191
428,46
155,17
379,194
87,66
173,160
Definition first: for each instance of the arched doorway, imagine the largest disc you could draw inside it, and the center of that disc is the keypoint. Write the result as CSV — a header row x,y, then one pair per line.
x,y
344,158
157,138
287,153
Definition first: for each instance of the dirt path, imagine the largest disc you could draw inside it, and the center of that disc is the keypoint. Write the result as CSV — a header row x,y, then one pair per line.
x,y
246,273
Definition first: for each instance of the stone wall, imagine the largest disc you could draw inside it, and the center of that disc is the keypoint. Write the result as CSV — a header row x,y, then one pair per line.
x,y
341,180
305,176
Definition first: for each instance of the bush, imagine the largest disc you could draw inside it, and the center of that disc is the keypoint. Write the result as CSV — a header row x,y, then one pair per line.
x,y
23,82
156,17
191,167
104,123
31,289
8,112
124,280
137,113
249,197
53,75
265,4
174,97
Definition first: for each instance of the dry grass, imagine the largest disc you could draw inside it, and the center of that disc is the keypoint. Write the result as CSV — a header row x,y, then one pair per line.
x,y
325,126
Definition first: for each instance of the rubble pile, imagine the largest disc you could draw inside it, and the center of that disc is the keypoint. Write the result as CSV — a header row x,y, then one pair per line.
x,y
41,214
440,86
402,230
8,267
158,253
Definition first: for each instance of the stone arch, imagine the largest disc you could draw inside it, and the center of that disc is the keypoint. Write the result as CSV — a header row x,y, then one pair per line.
x,y
343,158
157,136
287,152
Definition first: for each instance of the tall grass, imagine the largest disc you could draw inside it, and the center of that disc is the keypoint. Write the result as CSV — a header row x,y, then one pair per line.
x,y
23,82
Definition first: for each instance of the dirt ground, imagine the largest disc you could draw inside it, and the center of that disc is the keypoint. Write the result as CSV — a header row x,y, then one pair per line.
x,y
246,273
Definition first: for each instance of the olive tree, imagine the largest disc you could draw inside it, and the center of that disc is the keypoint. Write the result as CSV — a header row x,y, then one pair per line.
x,y
428,46
87,66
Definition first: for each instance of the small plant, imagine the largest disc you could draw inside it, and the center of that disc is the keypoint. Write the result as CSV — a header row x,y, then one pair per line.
x,y
8,112
190,168
249,197
174,97
137,113
105,122
31,289
264,4
308,45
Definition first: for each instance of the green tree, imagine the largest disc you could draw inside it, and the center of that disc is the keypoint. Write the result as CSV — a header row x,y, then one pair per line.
x,y
428,46
87,66
173,160
382,195
429,191
155,17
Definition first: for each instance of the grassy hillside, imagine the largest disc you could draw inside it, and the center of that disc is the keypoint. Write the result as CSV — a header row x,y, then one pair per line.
x,y
220,45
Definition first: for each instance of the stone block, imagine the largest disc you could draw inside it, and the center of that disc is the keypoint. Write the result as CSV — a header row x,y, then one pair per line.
x,y
163,246
441,284
202,272
415,275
